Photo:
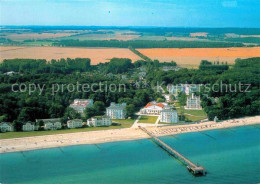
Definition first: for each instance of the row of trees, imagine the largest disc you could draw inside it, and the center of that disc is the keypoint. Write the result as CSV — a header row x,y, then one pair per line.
x,y
42,66
145,44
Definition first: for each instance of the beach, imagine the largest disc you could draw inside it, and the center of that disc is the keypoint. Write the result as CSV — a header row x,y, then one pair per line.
x,y
103,136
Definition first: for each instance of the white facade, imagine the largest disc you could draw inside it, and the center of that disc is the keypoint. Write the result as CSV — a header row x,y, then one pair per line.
x,y
99,121
30,126
50,124
153,108
6,127
75,123
80,105
169,116
193,102
116,111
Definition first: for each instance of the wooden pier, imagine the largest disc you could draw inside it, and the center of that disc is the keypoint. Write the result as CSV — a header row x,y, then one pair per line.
x,y
193,168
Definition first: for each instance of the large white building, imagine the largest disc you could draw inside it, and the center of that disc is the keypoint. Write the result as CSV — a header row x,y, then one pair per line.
x,y
169,116
193,102
50,124
153,108
74,123
30,126
80,105
99,121
6,127
116,111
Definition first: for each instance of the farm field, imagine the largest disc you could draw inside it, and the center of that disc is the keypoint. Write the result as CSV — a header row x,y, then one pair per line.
x,y
35,36
97,55
191,57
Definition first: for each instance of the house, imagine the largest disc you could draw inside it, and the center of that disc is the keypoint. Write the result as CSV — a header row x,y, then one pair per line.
x,y
169,116
30,126
193,102
99,121
184,88
74,123
11,73
50,124
167,97
116,111
80,105
6,127
153,108
170,68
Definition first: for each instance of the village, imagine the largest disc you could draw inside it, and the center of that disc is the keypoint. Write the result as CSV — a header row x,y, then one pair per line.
x,y
155,113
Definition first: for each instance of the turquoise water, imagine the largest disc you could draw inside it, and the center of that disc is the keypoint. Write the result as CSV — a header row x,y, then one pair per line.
x,y
229,155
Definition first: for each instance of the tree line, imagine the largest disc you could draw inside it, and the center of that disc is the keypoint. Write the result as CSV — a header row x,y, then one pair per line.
x,y
145,44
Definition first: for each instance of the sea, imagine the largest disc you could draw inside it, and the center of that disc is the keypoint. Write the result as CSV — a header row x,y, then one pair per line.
x,y
229,156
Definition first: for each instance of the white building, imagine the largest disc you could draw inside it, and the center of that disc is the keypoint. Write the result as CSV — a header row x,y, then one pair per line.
x,y
74,123
10,73
116,111
167,97
80,105
6,127
153,108
30,126
169,116
185,88
193,102
50,124
99,121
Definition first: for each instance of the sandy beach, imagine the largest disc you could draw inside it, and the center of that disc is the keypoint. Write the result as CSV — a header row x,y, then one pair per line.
x,y
95,137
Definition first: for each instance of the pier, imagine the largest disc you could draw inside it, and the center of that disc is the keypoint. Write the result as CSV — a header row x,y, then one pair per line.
x,y
193,168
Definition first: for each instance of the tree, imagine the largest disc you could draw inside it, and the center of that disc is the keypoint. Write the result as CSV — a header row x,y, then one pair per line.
x,y
130,110
89,112
70,113
159,100
99,107
182,98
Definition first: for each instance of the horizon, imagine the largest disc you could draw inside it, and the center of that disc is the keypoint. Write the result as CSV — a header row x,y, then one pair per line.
x,y
116,13
100,26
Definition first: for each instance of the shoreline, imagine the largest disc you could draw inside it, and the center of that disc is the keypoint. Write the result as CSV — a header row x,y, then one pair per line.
x,y
114,135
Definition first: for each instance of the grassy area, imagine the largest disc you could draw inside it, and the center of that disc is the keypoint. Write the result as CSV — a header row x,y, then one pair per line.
x,y
148,119
192,115
125,123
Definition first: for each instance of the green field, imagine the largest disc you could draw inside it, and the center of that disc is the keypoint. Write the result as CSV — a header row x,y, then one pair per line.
x,y
148,119
127,123
192,115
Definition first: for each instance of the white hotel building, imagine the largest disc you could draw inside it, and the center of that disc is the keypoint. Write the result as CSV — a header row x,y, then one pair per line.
x,y
99,121
193,102
80,105
153,108
116,111
169,116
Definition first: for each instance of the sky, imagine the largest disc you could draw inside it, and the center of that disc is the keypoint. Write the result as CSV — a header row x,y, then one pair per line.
x,y
160,13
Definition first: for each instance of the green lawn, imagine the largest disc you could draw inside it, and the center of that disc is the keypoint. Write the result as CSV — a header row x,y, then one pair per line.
x,y
124,124
193,115
148,119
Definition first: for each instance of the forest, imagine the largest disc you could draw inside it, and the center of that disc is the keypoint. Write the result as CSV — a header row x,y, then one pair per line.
x,y
22,106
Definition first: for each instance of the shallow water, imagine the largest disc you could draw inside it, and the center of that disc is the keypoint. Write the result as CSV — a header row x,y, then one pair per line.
x,y
229,155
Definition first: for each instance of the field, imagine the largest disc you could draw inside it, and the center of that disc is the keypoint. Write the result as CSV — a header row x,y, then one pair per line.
x,y
191,57
148,119
35,36
97,55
